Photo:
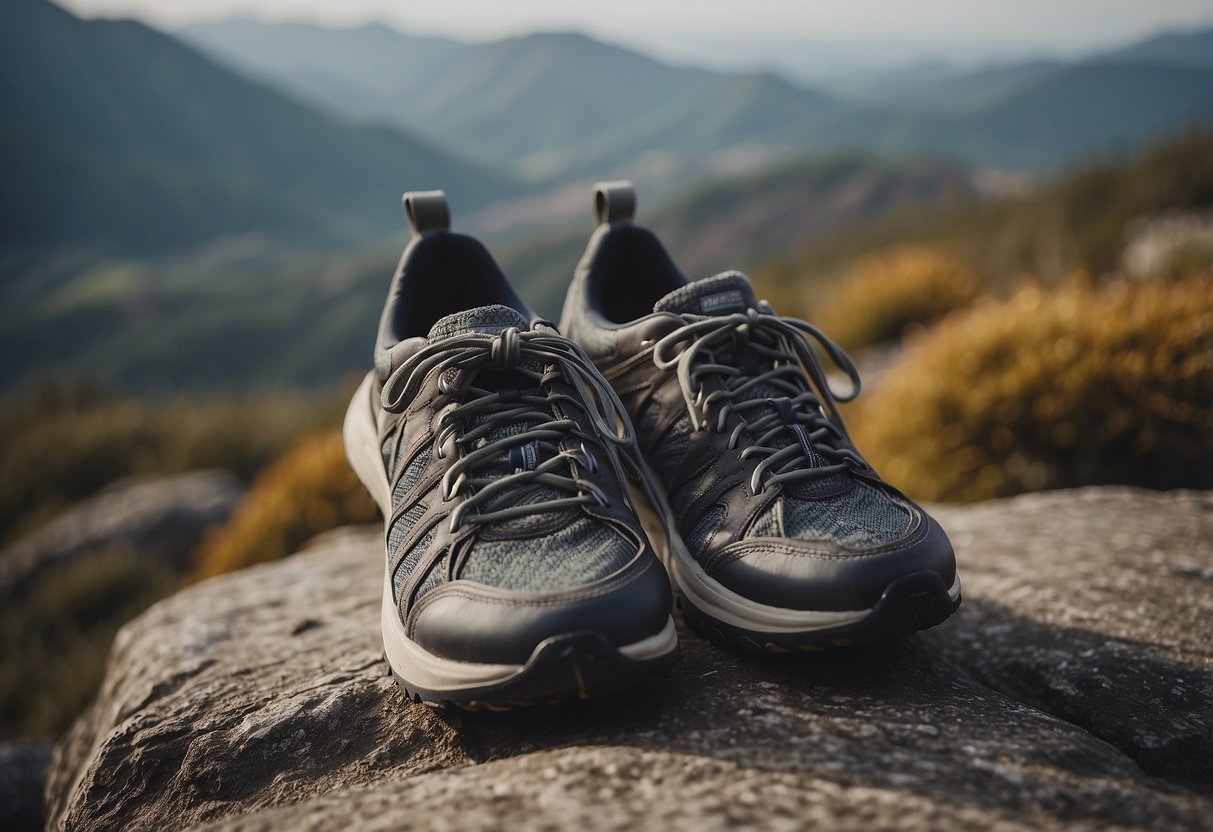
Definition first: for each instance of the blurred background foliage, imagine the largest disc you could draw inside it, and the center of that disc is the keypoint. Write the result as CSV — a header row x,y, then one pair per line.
x,y
55,635
195,248
63,442
310,489
1080,385
883,294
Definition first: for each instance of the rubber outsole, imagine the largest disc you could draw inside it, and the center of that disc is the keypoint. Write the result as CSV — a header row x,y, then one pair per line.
x,y
911,603
580,665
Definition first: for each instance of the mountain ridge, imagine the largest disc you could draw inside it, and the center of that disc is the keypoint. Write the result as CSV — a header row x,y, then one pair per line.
x,y
163,147
554,107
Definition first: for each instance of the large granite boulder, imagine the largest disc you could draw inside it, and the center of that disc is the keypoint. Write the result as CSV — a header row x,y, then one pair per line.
x,y
1074,689
162,516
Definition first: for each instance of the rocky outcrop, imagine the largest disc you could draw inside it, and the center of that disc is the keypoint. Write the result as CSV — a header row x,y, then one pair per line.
x,y
162,516
1074,689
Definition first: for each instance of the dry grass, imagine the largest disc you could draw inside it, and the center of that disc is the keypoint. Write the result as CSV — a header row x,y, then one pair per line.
x,y
1084,385
883,294
309,490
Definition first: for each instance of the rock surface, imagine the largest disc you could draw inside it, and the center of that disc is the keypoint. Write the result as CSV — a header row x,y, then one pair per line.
x,y
164,516
1074,689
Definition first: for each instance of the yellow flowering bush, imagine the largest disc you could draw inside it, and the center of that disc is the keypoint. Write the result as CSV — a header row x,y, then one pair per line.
x,y
1084,385
310,489
884,293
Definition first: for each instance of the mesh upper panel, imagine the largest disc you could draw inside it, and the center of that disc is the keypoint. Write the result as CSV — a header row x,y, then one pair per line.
x,y
860,518
409,562
582,551
668,453
697,538
839,508
412,474
765,525
481,319
723,293
401,528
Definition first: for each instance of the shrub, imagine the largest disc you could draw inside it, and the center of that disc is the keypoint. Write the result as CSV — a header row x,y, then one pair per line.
x,y
885,293
309,490
1082,386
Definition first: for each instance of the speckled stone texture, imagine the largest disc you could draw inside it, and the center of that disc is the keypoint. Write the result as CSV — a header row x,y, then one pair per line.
x,y
1073,690
161,517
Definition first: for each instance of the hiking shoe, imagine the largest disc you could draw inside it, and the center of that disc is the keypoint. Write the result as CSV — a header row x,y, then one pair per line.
x,y
517,571
779,535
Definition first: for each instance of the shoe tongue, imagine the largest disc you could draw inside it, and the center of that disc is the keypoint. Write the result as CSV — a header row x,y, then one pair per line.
x,y
723,294
490,320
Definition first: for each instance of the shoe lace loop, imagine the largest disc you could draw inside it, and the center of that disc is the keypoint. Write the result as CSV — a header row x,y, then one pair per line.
x,y
529,413
755,353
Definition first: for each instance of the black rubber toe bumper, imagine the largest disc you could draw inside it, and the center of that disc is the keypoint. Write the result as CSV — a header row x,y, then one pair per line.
x,y
470,622
567,667
807,575
911,603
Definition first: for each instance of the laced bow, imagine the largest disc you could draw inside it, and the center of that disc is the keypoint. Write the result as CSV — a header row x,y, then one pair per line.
x,y
504,497
807,418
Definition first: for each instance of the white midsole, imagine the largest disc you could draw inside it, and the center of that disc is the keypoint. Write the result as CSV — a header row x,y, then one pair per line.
x,y
361,436
714,599
420,667
413,663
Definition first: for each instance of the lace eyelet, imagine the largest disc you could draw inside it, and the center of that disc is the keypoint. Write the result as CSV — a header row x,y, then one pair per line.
x,y
599,496
591,461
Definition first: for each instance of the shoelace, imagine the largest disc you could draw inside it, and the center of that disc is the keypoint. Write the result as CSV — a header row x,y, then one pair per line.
x,y
513,350
782,346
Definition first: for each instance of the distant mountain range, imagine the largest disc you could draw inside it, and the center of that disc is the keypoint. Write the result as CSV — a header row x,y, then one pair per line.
x,y
552,107
241,313
131,141
121,137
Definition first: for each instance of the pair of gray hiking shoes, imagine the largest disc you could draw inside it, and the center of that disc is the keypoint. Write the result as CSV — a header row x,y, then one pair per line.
x,y
543,490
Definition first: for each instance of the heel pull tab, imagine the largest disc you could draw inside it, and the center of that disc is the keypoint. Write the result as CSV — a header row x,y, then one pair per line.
x,y
614,201
427,211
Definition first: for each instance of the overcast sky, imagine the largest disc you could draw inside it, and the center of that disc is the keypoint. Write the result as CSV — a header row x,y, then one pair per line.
x,y
1063,26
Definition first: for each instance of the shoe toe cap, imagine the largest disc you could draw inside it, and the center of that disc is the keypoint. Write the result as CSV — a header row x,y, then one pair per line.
x,y
809,575
471,622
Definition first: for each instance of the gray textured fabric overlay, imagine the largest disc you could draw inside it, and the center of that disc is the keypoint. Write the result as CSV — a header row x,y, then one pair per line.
x,y
721,294
765,525
412,474
401,528
696,539
861,518
580,552
409,562
668,453
403,524
490,320
432,580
